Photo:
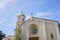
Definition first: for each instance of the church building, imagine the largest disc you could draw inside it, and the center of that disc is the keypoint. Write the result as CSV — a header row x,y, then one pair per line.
x,y
36,28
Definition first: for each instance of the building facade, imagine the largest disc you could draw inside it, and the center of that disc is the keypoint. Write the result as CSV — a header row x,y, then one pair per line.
x,y
36,29
9,37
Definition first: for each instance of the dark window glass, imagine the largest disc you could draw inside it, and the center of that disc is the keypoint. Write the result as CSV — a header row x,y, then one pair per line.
x,y
34,31
52,37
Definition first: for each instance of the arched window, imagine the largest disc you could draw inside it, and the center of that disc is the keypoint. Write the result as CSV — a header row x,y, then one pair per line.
x,y
33,29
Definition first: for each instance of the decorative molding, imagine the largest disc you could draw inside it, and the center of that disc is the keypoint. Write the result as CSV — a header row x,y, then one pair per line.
x,y
57,30
44,31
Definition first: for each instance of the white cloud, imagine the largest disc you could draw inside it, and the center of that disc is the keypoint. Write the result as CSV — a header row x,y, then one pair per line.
x,y
40,2
1,22
42,14
27,17
2,6
4,3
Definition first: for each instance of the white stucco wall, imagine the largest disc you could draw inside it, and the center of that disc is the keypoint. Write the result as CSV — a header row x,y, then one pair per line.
x,y
50,27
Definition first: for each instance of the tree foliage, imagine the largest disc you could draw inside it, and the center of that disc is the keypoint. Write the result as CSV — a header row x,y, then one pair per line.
x,y
18,34
2,35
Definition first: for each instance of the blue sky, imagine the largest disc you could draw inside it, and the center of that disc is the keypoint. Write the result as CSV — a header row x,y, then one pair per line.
x,y
9,9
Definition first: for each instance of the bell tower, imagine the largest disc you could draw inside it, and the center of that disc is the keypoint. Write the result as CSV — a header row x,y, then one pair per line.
x,y
21,18
18,30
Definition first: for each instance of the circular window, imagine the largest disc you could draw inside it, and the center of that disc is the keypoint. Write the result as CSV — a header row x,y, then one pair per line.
x,y
34,31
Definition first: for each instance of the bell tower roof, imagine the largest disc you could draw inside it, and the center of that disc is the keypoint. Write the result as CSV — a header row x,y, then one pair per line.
x,y
21,14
